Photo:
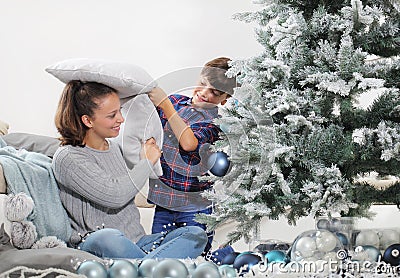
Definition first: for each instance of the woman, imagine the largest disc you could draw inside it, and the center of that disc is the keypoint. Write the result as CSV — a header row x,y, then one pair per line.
x,y
96,187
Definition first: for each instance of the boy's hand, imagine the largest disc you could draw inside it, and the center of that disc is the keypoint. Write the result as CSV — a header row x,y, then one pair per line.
x,y
157,96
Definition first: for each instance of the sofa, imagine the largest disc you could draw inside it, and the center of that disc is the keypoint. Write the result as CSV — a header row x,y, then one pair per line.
x,y
52,261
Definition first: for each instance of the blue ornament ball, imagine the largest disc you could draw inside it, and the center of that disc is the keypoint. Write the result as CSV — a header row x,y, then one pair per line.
x,y
92,269
246,259
277,256
147,267
227,271
206,270
123,269
170,268
343,238
218,163
373,253
392,255
230,258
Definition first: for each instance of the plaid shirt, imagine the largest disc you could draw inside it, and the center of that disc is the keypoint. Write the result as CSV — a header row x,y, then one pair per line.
x,y
181,168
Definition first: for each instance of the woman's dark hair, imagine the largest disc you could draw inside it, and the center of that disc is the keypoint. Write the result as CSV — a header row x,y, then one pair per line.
x,y
78,98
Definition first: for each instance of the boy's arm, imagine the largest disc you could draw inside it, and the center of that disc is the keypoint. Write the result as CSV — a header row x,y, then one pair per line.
x,y
182,131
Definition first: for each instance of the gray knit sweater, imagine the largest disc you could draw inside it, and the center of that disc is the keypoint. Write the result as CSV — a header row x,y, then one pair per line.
x,y
96,188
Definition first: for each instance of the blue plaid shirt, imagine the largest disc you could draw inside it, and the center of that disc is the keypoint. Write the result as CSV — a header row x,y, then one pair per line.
x,y
182,168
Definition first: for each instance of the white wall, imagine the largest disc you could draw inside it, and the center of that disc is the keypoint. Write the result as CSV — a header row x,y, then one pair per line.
x,y
159,35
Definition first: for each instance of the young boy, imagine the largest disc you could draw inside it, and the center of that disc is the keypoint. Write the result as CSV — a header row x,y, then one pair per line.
x,y
188,132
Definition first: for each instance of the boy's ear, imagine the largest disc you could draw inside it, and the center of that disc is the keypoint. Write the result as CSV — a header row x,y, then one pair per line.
x,y
223,102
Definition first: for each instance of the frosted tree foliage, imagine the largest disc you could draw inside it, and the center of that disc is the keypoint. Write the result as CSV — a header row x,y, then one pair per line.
x,y
295,133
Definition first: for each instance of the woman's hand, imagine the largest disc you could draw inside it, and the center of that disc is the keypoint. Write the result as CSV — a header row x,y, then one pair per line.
x,y
157,96
150,151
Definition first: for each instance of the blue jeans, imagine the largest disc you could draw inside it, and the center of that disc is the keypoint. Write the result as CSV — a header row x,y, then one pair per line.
x,y
112,243
164,217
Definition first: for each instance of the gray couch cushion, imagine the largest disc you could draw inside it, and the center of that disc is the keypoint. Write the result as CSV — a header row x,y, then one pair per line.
x,y
31,142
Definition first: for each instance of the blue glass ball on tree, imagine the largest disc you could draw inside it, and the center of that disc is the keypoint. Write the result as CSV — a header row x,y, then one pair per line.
x,y
218,163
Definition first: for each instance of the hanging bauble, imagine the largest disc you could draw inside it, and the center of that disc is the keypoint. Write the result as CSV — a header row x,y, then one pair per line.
x,y
230,258
227,271
388,237
276,256
92,269
218,163
171,268
146,267
206,270
246,259
367,237
392,255
123,269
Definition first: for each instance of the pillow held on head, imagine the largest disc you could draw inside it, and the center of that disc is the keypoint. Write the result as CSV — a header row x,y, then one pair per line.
x,y
131,81
127,79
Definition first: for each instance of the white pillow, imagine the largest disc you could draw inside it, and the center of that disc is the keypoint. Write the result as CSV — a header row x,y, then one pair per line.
x,y
141,123
127,79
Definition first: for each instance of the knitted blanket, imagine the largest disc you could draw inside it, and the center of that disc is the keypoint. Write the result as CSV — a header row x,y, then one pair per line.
x,y
31,173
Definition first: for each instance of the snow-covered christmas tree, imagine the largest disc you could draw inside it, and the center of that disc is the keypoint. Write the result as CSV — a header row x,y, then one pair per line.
x,y
298,139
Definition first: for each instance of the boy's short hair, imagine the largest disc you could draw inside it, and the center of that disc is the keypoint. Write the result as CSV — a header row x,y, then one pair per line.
x,y
215,73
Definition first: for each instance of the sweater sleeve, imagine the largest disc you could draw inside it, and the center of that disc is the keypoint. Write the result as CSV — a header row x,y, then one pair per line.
x,y
81,173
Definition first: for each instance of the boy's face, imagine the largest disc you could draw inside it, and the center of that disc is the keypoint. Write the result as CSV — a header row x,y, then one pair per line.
x,y
206,95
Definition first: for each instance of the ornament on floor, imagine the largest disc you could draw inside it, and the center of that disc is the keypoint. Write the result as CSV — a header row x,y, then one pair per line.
x,y
392,255
92,269
276,256
388,237
227,271
366,253
314,245
230,258
244,262
219,254
218,163
206,270
146,267
343,238
265,246
342,225
367,237
170,268
123,269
